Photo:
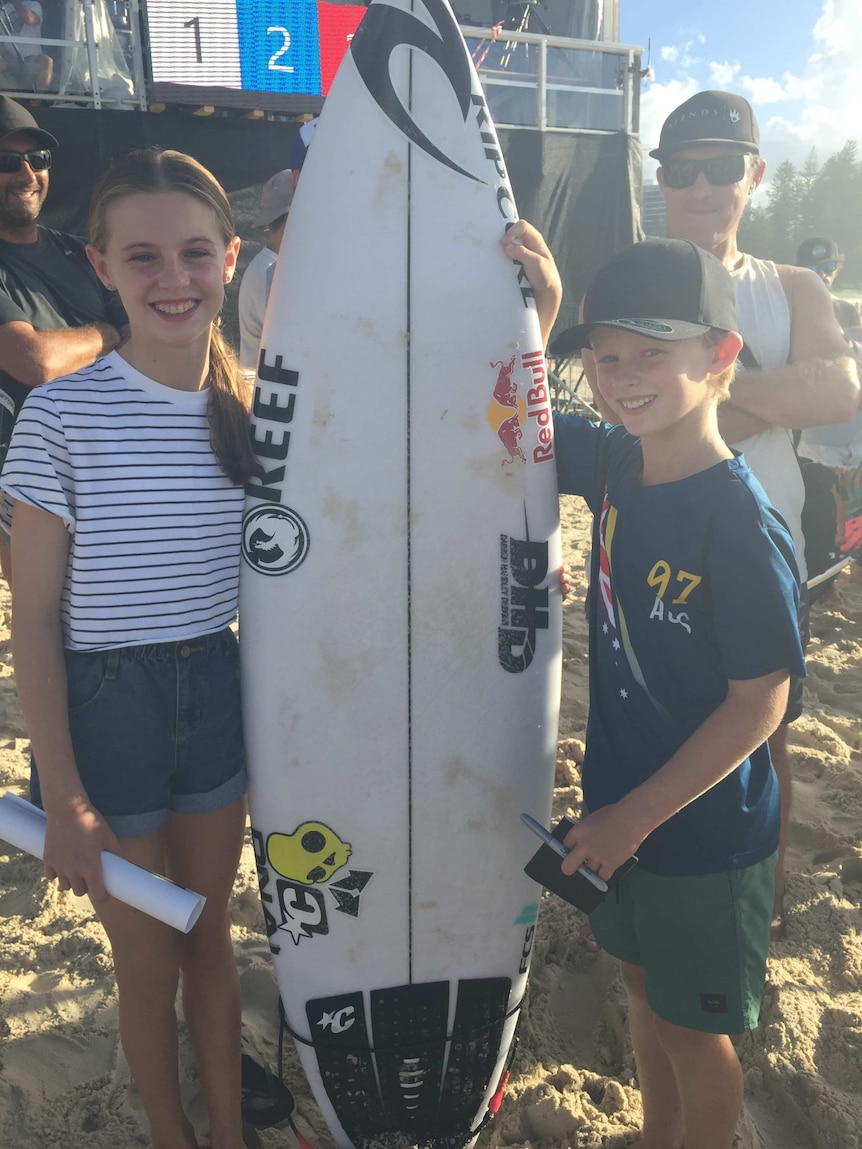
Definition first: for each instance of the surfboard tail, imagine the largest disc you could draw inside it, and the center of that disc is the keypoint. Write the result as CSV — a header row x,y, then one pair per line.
x,y
416,1078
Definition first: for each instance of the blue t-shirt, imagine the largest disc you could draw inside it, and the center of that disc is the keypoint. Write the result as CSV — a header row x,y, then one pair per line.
x,y
693,583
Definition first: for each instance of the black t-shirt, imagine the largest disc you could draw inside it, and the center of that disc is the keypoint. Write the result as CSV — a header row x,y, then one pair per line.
x,y
49,284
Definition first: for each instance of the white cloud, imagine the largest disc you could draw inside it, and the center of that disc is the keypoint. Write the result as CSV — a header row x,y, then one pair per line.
x,y
684,54
828,92
821,107
721,76
833,94
766,90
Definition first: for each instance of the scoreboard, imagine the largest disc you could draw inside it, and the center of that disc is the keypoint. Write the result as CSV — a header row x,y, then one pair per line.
x,y
284,48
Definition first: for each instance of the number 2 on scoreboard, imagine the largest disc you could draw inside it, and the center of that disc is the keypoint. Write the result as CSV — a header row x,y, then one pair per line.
x,y
273,66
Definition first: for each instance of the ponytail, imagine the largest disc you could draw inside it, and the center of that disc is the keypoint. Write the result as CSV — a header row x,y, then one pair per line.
x,y
228,410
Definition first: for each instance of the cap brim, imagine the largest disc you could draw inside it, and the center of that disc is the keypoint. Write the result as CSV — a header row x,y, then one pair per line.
x,y
264,219
570,340
662,154
43,138
664,330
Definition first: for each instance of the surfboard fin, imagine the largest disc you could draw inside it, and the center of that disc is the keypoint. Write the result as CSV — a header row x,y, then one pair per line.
x,y
266,1101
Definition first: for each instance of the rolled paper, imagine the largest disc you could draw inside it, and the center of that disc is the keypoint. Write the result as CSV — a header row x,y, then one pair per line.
x,y
23,825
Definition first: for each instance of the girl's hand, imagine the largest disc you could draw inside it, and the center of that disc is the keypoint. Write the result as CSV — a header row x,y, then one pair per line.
x,y
75,837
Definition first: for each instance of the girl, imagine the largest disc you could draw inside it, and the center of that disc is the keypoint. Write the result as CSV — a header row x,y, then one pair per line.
x,y
128,479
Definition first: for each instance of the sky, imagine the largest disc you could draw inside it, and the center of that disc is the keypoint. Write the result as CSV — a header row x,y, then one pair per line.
x,y
799,62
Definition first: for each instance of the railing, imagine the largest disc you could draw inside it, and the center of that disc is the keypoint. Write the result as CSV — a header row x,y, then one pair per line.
x,y
530,80
96,60
550,82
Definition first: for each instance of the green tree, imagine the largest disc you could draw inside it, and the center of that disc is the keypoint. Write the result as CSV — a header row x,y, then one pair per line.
x,y
768,231
836,196
813,200
807,178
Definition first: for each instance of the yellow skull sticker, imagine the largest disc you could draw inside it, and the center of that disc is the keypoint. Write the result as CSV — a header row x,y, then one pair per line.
x,y
311,854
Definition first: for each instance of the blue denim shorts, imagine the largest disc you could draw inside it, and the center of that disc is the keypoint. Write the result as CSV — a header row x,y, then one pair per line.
x,y
156,728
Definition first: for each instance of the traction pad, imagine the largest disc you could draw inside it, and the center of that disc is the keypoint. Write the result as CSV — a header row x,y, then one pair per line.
x,y
398,1079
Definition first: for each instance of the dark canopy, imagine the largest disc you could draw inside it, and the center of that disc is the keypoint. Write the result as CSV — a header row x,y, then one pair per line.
x,y
580,190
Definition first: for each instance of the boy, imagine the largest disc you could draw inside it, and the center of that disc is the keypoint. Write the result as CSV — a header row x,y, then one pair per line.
x,y
693,637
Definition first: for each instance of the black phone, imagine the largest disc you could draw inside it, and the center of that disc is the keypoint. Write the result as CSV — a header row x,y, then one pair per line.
x,y
577,889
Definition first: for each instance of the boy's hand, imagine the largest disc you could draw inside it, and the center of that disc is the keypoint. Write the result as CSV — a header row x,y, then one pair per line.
x,y
525,245
603,841
565,580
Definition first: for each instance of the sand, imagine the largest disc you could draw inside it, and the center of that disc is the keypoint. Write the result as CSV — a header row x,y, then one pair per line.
x,y
63,1079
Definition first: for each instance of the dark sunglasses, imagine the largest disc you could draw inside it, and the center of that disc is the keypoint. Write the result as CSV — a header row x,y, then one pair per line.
x,y
719,171
824,268
11,162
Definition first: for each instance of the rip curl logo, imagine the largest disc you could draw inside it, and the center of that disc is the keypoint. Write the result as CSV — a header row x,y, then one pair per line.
x,y
383,29
644,325
275,540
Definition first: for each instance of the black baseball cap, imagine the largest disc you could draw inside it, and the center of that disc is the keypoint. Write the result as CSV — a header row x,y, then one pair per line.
x,y
14,117
666,289
816,250
709,118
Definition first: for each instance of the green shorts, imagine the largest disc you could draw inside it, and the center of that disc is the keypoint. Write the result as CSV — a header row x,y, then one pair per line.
x,y
701,941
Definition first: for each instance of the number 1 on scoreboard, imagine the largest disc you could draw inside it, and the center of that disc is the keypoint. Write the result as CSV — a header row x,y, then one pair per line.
x,y
195,23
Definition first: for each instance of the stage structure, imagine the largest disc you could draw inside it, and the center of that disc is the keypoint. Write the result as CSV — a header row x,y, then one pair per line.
x,y
234,79
279,57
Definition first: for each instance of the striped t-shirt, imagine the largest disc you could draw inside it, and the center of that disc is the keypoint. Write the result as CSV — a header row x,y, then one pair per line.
x,y
155,524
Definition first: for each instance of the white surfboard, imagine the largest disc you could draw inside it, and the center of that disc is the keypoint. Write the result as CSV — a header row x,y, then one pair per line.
x,y
400,602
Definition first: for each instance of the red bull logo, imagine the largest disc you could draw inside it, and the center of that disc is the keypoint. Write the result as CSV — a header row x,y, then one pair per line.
x,y
507,411
509,414
539,406
506,389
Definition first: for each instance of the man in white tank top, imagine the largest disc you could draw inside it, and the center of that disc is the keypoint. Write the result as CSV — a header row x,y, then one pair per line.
x,y
708,150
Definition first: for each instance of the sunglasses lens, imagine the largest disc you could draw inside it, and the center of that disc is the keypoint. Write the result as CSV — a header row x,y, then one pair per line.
x,y
11,162
829,266
39,161
725,170
719,171
680,173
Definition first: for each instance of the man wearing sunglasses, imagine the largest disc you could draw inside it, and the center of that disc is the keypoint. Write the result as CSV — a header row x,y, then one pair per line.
x,y
799,373
55,315
824,258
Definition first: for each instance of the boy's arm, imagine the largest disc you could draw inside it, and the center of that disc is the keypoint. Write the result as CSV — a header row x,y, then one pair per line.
x,y
751,712
525,245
